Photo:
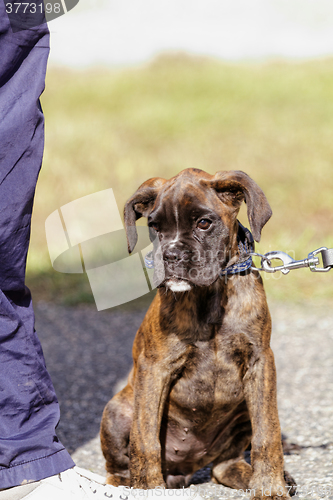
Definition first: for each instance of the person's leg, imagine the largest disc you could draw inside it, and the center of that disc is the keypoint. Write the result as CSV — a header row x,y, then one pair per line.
x,y
30,451
29,410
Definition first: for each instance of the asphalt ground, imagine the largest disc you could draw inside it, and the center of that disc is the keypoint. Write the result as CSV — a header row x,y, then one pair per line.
x,y
88,354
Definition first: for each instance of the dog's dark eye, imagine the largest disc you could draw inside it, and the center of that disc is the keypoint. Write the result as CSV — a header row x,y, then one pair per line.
x,y
204,224
154,226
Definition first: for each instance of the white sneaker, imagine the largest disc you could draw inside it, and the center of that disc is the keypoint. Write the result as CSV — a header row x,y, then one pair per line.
x,y
81,484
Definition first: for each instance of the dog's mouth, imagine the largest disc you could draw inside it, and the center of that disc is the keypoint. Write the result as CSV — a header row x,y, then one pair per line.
x,y
178,285
184,280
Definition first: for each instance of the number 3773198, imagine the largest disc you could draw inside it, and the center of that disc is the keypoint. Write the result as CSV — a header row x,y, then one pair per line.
x,y
33,8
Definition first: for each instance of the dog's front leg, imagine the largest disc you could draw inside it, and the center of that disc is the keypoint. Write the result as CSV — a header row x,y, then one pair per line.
x,y
152,382
267,481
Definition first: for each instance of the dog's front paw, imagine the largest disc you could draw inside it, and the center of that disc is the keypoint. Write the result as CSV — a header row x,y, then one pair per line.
x,y
269,492
277,491
150,480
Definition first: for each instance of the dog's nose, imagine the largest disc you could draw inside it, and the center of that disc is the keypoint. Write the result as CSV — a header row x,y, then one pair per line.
x,y
172,255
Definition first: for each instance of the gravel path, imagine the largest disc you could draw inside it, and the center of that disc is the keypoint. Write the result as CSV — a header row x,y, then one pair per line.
x,y
88,355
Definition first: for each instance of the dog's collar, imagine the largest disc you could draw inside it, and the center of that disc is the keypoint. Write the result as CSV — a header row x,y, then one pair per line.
x,y
245,246
149,260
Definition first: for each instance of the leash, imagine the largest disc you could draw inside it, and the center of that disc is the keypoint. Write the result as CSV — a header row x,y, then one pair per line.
x,y
246,253
246,242
289,263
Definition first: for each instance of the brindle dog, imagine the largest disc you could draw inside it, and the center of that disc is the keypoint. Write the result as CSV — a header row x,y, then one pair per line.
x,y
203,384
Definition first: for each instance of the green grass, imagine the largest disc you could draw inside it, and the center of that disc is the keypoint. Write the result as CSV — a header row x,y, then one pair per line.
x,y
118,128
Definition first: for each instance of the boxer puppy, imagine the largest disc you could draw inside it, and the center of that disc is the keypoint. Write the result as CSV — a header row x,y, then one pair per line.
x,y
203,383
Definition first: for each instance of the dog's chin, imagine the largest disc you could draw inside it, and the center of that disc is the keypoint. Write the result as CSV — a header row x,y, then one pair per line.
x,y
177,285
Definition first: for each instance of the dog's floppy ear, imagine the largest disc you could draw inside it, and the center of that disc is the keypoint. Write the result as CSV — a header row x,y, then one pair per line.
x,y
233,186
140,205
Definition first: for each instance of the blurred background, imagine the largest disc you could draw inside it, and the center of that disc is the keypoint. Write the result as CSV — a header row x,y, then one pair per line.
x,y
139,88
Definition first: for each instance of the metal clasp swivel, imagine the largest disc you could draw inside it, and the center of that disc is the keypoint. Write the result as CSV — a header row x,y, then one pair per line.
x,y
289,263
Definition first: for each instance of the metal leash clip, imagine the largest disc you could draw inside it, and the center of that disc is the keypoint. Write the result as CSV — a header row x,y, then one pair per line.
x,y
289,263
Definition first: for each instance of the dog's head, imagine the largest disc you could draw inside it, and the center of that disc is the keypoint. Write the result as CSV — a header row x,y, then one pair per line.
x,y
192,219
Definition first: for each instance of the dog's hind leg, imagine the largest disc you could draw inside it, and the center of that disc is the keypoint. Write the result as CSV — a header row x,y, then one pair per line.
x,y
115,430
234,473
230,468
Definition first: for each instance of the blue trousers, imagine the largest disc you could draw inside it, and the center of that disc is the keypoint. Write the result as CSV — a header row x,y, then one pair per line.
x,y
29,410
